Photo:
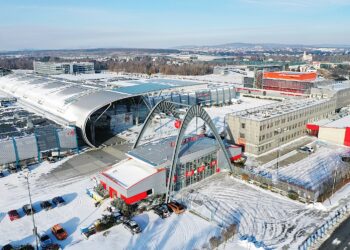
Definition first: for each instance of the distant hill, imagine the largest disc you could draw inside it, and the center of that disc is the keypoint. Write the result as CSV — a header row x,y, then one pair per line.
x,y
261,45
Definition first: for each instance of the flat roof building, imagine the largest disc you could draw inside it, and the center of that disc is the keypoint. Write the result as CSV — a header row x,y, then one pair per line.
x,y
338,90
334,131
147,170
288,81
54,68
265,128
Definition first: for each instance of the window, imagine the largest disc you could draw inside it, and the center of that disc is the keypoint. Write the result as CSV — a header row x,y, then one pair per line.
x,y
241,135
243,125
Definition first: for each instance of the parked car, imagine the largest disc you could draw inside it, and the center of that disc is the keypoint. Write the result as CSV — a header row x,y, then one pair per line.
x,y
59,232
44,239
12,169
28,210
306,149
46,205
132,226
52,246
176,207
118,217
8,247
14,215
162,210
2,174
58,201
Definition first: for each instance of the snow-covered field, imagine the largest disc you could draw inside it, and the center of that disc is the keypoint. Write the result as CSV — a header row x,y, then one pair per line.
x,y
271,219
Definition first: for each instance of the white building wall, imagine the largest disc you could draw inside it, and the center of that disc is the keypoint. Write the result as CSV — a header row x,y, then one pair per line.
x,y
156,182
335,135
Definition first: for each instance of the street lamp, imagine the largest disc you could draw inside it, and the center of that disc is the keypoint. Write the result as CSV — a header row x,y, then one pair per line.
x,y
26,175
279,131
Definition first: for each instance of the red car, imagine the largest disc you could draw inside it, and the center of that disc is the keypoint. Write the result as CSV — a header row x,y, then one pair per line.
x,y
14,215
59,232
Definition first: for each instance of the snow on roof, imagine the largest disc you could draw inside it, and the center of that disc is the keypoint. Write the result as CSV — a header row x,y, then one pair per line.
x,y
277,109
158,152
340,123
336,86
322,122
130,172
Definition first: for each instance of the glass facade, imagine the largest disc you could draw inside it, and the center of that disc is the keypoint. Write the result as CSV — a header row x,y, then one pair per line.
x,y
193,171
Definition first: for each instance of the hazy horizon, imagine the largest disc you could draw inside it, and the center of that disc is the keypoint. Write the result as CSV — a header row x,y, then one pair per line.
x,y
36,24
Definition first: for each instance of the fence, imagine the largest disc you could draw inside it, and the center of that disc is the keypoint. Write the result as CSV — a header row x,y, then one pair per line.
x,y
278,186
45,139
322,231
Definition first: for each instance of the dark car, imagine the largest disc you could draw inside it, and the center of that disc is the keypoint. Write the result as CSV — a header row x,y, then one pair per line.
x,y
118,217
58,201
8,247
45,240
2,174
46,205
13,215
162,210
28,210
132,226
52,246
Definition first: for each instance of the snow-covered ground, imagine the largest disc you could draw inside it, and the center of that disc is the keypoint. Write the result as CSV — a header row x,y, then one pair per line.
x,y
270,219
311,172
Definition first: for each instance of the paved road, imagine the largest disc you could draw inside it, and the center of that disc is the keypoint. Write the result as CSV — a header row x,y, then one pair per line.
x,y
340,239
88,163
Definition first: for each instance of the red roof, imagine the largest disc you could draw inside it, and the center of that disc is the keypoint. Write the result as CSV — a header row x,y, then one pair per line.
x,y
293,76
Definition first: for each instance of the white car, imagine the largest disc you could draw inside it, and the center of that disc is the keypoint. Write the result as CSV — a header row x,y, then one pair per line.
x,y
306,149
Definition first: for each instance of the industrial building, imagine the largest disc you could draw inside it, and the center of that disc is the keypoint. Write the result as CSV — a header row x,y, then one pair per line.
x,y
167,165
340,91
288,81
337,131
265,128
146,171
55,68
98,110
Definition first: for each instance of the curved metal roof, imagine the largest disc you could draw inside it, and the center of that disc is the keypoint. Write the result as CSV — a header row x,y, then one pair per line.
x,y
63,101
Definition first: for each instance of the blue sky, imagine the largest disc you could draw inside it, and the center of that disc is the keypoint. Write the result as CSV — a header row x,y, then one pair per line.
x,y
38,24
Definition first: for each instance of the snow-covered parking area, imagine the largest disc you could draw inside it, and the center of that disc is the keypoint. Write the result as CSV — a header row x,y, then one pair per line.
x,y
186,231
266,217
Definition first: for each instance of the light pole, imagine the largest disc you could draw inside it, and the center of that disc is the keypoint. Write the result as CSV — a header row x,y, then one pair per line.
x,y
279,131
35,231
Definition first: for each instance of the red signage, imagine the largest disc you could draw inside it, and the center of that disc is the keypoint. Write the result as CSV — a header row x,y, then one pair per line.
x,y
177,123
187,140
189,173
201,169
213,163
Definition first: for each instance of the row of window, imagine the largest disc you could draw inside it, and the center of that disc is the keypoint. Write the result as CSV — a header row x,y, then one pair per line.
x,y
288,119
282,139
